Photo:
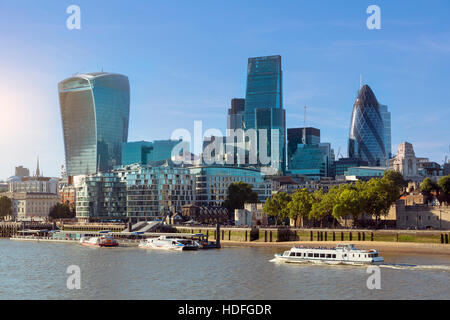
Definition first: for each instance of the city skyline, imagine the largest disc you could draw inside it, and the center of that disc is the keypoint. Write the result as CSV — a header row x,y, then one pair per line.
x,y
405,63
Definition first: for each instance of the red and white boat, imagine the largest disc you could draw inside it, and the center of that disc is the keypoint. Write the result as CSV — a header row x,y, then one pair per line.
x,y
104,241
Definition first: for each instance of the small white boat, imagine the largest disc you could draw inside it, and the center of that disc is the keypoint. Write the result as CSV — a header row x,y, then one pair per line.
x,y
169,243
104,241
341,254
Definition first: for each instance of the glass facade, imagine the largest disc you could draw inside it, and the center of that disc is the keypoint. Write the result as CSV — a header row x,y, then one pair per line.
x,y
367,136
314,161
263,103
212,182
143,152
235,118
296,136
386,116
95,111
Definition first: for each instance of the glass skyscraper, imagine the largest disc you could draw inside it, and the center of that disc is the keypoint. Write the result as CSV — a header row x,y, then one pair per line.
x,y
95,111
367,135
264,103
386,116
144,152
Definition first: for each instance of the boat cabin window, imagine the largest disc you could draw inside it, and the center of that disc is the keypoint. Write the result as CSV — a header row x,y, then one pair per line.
x,y
334,256
322,255
316,255
292,254
310,254
299,254
328,255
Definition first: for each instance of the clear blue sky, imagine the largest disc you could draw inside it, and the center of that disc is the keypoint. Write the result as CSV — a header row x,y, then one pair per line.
x,y
187,59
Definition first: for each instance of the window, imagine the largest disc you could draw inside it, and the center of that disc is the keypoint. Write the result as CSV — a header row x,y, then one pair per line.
x,y
328,255
299,254
334,256
316,255
310,254
292,254
322,255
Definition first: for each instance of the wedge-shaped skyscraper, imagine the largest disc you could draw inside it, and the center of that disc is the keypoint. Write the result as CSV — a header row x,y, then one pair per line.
x,y
95,110
367,134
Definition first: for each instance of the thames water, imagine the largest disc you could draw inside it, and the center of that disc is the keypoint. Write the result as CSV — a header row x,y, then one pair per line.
x,y
38,270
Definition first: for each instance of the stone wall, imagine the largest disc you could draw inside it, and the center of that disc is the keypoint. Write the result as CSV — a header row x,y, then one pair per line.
x,y
422,217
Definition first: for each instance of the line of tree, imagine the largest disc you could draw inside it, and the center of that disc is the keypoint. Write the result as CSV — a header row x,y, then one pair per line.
x,y
373,197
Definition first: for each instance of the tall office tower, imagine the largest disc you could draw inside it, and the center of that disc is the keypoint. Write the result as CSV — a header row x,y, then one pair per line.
x,y
145,152
386,116
95,110
264,105
235,118
366,139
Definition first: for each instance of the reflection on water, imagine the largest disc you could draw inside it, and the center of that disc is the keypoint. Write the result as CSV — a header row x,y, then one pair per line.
x,y
31,270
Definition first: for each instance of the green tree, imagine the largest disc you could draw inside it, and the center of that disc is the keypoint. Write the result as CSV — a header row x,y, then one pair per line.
x,y
277,206
378,196
300,205
323,204
444,185
348,202
238,194
61,211
396,177
428,186
5,207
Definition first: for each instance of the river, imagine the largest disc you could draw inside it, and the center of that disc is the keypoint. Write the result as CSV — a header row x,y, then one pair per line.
x,y
32,270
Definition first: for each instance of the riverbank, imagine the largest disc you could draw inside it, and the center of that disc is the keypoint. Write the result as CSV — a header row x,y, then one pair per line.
x,y
392,247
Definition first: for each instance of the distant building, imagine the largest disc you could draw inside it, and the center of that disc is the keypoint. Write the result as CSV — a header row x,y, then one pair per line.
x,y
446,169
34,185
342,165
20,171
314,161
235,119
296,136
386,117
155,192
364,173
95,110
32,206
405,161
264,106
367,134
212,182
430,169
251,215
67,194
205,214
100,196
143,152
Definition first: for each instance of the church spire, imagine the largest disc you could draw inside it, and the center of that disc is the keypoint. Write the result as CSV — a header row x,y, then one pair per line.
x,y
38,173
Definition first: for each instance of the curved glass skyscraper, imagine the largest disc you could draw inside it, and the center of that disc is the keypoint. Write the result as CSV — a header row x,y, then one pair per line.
x,y
95,110
367,137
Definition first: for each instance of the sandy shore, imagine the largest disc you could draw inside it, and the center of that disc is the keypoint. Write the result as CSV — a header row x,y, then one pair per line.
x,y
394,247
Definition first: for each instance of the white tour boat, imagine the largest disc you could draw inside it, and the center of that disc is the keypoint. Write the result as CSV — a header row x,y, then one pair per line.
x,y
169,243
103,241
341,254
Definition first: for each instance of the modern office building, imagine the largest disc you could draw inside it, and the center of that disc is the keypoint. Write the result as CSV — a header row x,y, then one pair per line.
x,y
386,116
95,111
143,152
264,107
366,172
314,161
296,136
235,119
341,166
366,139
212,182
